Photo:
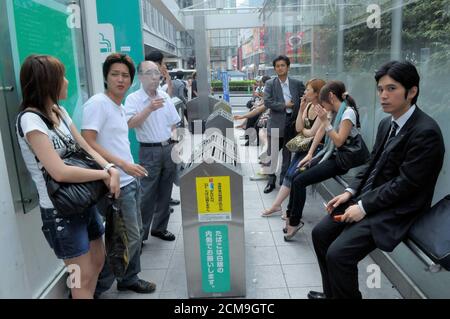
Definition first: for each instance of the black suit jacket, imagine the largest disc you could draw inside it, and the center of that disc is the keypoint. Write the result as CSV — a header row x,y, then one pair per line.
x,y
404,185
274,100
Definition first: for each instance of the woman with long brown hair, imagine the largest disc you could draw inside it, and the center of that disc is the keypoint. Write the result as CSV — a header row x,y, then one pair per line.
x,y
77,240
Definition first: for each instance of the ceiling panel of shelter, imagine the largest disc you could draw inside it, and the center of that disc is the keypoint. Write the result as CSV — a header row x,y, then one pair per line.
x,y
223,7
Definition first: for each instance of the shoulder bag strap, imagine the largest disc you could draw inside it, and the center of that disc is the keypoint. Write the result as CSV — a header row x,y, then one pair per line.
x,y
42,116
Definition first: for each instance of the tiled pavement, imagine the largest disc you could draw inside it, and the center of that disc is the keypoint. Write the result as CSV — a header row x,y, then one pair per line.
x,y
274,268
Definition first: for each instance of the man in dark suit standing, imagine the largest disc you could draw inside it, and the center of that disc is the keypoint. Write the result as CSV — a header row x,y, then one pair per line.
x,y
282,96
389,194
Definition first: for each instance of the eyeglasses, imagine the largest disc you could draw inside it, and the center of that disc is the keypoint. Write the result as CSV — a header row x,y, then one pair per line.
x,y
151,73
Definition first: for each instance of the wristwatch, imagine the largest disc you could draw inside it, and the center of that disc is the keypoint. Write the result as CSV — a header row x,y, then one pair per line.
x,y
108,166
329,128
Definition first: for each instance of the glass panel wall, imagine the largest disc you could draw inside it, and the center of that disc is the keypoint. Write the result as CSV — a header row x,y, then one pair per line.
x,y
36,27
349,40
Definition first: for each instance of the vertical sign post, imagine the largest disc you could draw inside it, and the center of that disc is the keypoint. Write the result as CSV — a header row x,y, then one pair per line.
x,y
226,86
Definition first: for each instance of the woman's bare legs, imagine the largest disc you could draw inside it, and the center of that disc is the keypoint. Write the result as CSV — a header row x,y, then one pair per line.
x,y
263,140
242,125
276,205
90,265
98,254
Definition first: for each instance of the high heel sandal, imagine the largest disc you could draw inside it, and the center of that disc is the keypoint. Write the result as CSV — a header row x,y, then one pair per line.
x,y
286,226
268,213
289,236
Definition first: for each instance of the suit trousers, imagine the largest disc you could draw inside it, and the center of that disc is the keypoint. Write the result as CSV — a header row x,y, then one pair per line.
x,y
286,154
301,180
156,188
339,247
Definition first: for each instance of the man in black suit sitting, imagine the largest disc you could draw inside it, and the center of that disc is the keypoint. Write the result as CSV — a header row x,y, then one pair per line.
x,y
386,197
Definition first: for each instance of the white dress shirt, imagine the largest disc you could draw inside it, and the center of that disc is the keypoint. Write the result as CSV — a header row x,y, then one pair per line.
x,y
286,93
158,125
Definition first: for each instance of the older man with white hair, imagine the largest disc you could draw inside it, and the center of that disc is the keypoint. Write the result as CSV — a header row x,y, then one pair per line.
x,y
152,114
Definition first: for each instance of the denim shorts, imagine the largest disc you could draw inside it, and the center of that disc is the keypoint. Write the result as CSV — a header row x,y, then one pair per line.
x,y
69,237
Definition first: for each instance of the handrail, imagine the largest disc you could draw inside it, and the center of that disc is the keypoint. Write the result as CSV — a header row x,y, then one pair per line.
x,y
431,266
341,181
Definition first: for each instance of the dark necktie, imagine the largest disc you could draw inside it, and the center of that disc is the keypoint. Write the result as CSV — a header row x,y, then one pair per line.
x,y
368,185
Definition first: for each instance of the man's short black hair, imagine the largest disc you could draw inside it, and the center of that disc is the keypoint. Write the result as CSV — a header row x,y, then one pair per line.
x,y
180,74
282,58
118,58
155,56
403,72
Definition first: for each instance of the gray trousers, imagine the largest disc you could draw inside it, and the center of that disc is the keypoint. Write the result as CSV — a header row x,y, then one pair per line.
x,y
156,189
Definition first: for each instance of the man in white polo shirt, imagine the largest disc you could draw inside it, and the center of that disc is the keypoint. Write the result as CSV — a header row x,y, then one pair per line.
x,y
151,112
105,128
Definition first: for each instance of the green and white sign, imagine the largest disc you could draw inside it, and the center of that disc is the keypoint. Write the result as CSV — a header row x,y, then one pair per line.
x,y
215,258
40,27
114,26
120,24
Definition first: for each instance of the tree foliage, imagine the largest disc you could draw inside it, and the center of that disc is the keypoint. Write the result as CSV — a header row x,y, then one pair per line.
x,y
425,37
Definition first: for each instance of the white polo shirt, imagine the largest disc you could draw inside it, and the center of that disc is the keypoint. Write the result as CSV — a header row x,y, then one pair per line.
x,y
158,125
103,115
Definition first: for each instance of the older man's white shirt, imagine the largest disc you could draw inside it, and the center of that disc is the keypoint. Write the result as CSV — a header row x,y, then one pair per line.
x,y
158,126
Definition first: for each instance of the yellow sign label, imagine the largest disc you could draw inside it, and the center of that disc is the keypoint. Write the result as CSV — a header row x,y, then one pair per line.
x,y
213,195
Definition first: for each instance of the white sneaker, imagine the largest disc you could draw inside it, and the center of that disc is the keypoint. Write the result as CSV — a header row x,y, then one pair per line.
x,y
259,177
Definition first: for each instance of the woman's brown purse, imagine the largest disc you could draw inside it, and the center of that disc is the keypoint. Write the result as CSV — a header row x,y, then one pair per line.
x,y
300,143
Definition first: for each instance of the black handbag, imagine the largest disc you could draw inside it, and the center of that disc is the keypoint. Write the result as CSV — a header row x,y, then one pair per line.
x,y
71,198
431,232
352,153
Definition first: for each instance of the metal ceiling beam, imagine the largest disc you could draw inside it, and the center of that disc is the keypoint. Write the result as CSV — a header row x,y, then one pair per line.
x,y
227,21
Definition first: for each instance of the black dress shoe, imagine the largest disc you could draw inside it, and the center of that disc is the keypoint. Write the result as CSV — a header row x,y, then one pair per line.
x,y
141,287
174,202
164,235
269,187
316,295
